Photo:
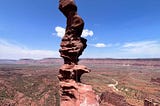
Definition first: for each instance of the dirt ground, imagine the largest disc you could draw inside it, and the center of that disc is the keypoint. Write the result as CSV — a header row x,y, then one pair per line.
x,y
35,83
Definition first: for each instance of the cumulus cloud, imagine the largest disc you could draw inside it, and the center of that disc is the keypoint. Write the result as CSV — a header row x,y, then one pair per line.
x,y
10,50
87,32
60,31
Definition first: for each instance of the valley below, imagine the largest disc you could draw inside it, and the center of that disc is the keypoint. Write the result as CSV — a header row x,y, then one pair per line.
x,y
118,82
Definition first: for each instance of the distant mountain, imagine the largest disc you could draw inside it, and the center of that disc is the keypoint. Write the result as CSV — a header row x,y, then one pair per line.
x,y
51,61
26,61
32,61
59,61
41,61
7,61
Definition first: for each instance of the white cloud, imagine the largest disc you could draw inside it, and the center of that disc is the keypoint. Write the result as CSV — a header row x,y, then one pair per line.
x,y
100,45
87,32
60,31
140,49
150,49
139,44
13,51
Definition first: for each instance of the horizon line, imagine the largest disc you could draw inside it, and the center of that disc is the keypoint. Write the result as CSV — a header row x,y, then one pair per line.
x,y
105,58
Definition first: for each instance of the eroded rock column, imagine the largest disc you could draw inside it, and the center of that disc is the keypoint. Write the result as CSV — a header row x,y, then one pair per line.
x,y
72,91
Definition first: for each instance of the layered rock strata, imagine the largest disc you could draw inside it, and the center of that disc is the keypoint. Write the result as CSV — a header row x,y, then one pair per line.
x,y
72,91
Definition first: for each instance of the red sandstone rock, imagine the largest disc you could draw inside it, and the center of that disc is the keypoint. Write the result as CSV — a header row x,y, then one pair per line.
x,y
72,92
74,72
72,44
77,94
155,80
150,103
113,99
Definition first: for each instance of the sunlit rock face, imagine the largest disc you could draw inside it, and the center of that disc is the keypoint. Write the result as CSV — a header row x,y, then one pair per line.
x,y
72,91
72,44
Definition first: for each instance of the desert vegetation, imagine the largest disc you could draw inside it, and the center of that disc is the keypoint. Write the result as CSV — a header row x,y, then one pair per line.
x,y
25,83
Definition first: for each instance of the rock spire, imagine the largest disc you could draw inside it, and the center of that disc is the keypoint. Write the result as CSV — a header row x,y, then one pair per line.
x,y
72,91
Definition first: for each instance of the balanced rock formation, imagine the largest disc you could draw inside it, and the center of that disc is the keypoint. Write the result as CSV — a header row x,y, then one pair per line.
x,y
72,91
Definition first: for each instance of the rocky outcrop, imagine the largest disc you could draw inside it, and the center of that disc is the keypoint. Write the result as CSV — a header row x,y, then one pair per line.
x,y
157,80
72,91
148,102
113,99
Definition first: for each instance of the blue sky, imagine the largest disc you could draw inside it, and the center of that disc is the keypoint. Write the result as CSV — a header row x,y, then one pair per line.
x,y
113,28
